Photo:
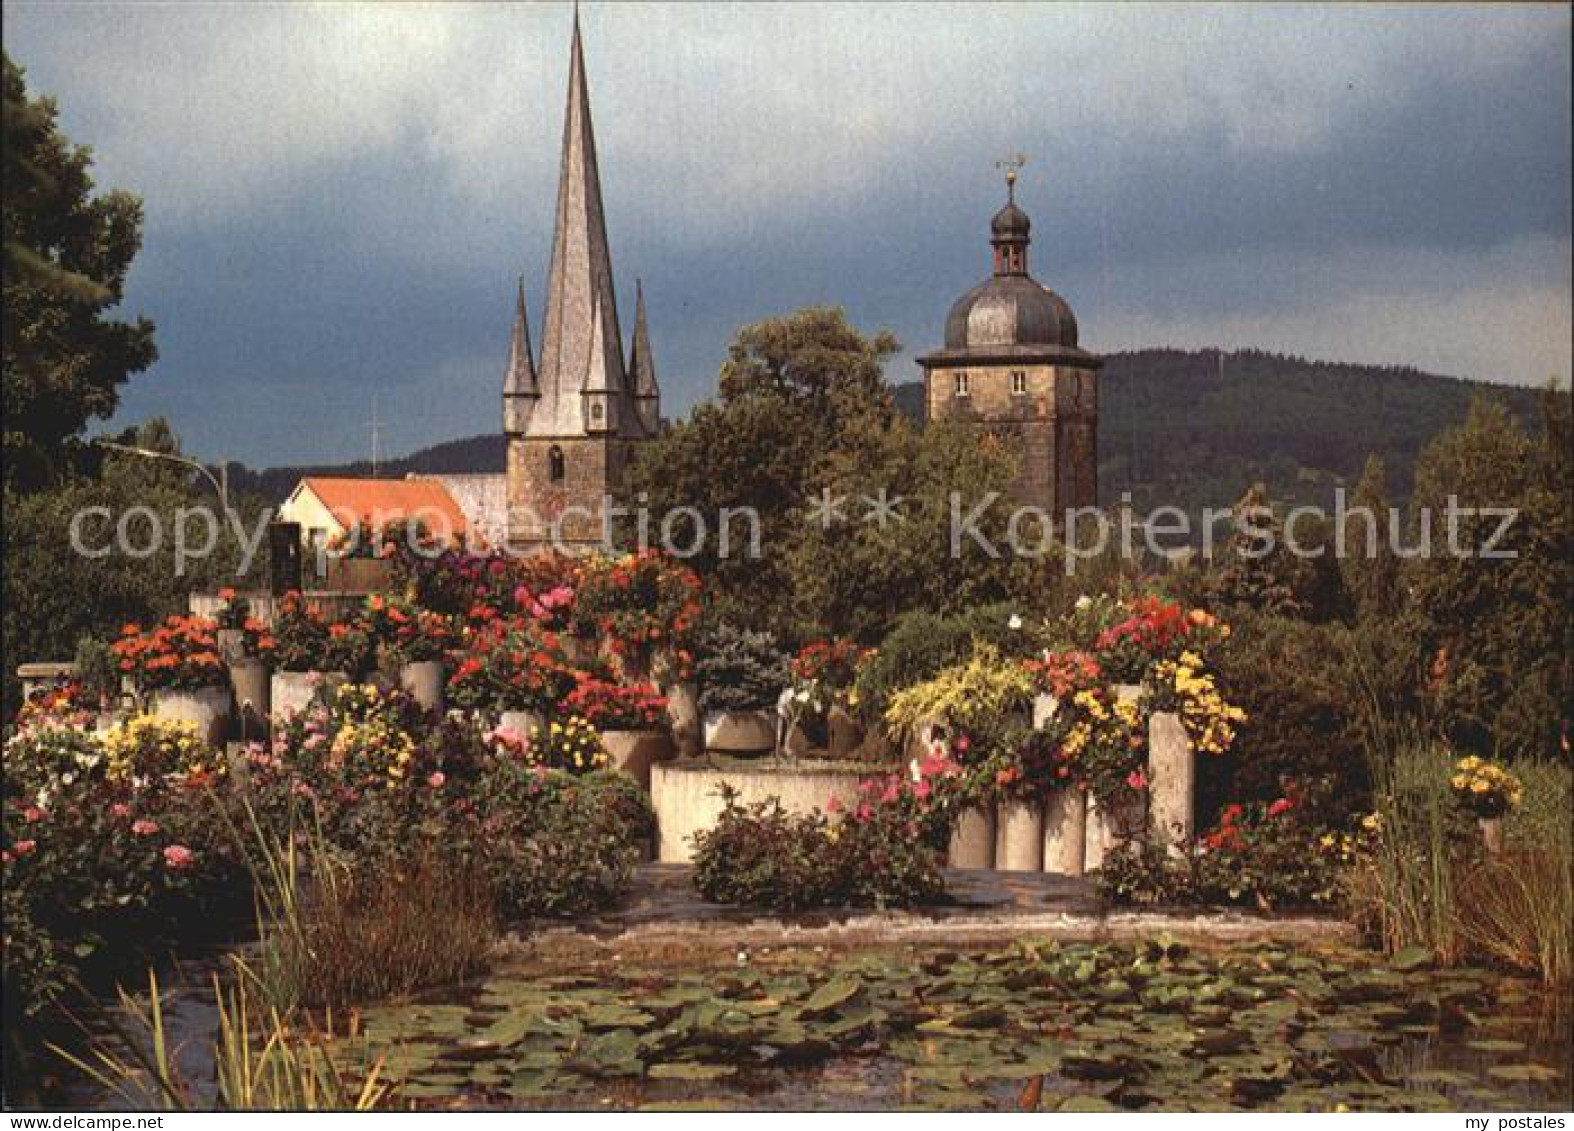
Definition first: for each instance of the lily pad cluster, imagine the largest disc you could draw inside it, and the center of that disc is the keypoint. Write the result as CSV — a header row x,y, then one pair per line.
x,y
1046,1026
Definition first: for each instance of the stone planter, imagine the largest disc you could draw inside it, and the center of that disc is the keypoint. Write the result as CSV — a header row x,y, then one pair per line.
x,y
292,692
740,732
973,839
845,733
1066,831
685,794
683,711
1491,834
1019,837
253,687
636,751
423,679
207,707
1105,830
231,644
523,723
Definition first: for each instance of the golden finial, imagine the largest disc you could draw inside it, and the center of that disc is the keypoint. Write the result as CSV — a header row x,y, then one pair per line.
x,y
1012,165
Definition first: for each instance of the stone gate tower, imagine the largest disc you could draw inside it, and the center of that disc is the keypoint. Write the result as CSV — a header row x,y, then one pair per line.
x,y
1011,368
572,420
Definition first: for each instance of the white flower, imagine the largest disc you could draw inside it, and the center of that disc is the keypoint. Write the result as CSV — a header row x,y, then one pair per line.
x,y
802,695
67,778
1015,622
914,769
1083,602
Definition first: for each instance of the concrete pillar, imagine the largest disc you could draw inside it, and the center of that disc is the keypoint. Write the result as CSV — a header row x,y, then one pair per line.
x,y
973,839
1172,782
1019,836
1065,831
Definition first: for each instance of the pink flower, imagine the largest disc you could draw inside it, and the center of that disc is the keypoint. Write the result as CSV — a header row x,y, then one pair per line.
x,y
32,814
921,790
178,856
1137,780
1283,805
437,779
23,847
144,827
833,805
119,810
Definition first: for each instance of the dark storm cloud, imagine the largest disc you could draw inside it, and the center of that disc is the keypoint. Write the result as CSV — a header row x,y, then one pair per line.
x,y
339,199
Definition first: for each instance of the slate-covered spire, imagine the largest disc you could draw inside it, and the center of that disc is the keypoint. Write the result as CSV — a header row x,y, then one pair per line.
x,y
580,295
642,369
521,390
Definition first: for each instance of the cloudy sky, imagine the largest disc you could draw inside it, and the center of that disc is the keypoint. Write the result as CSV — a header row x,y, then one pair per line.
x,y
339,198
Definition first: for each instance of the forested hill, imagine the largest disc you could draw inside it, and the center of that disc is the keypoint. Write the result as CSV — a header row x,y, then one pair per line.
x,y
1192,428
1195,428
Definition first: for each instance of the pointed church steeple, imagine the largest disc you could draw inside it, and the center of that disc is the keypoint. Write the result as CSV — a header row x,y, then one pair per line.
x,y
642,369
580,295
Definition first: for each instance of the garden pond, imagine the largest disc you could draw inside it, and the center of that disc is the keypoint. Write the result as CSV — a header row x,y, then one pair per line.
x,y
1039,1025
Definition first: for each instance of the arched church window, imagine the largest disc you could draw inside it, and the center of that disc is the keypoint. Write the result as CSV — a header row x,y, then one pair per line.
x,y
961,384
596,412
555,467
1019,383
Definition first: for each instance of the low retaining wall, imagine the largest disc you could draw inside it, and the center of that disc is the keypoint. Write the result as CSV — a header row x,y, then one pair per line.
x,y
686,794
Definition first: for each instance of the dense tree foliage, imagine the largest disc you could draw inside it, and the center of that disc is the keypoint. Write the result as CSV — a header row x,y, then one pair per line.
x,y
66,254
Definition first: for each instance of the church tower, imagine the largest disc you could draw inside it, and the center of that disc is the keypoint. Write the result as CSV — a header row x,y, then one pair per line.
x,y
571,421
1011,369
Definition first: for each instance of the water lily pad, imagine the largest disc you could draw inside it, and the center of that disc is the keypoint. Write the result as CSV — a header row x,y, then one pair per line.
x,y
1411,958
835,993
1519,1072
680,1070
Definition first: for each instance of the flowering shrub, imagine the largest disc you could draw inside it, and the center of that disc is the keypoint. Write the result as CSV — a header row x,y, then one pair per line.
x,y
178,655
107,855
740,670
300,635
968,695
611,706
511,667
68,702
885,852
374,745
1128,637
571,744
638,602
146,745
1261,855
407,632
1184,686
1485,788
825,674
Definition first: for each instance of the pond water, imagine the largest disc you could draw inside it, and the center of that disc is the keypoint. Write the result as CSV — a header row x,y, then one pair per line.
x,y
1036,1026
1039,1026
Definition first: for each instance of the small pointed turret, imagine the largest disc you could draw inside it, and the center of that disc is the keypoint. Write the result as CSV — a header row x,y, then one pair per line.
x,y
521,390
602,390
642,370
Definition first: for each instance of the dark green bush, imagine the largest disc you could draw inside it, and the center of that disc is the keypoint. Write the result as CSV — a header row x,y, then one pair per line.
x,y
923,643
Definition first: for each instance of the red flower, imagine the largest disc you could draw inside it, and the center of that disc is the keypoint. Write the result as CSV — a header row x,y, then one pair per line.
x,y
144,827
1283,805
178,856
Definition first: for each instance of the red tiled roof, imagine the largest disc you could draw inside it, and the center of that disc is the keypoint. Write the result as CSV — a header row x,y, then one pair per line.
x,y
375,502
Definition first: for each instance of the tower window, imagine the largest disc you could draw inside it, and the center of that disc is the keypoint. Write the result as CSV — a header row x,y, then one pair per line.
x,y
555,468
961,385
1019,383
596,412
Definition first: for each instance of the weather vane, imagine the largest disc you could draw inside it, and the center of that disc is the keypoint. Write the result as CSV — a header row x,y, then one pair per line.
x,y
1012,165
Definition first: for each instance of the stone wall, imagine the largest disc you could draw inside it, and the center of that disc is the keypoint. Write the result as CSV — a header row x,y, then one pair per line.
x,y
592,467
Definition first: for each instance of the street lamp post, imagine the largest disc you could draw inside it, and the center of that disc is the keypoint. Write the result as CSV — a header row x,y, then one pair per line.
x,y
221,483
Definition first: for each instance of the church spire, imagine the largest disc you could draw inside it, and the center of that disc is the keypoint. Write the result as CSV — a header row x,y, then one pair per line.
x,y
642,369
580,296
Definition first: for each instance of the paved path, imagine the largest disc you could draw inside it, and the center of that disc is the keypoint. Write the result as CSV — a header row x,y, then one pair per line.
x,y
663,916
